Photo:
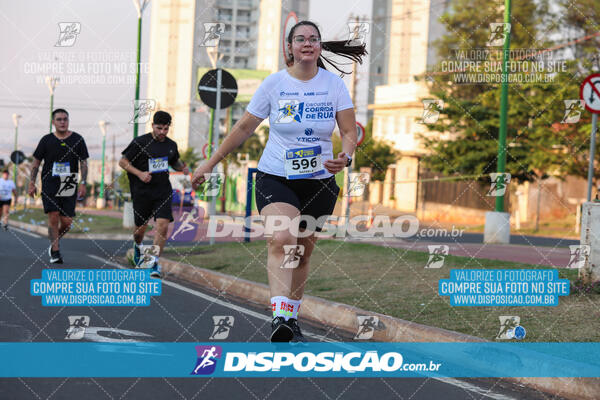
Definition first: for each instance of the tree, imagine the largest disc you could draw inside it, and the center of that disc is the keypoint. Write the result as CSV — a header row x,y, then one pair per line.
x,y
471,112
123,182
190,158
253,146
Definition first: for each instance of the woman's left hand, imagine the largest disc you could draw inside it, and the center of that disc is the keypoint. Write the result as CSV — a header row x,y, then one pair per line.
x,y
336,165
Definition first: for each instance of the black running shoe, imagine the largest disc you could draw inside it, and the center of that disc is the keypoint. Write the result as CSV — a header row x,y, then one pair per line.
x,y
280,331
298,336
5,227
55,257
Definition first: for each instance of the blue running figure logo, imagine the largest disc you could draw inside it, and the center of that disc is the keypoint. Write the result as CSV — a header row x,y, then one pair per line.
x,y
207,359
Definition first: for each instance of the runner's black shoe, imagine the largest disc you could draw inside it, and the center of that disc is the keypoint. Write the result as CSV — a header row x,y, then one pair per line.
x,y
280,331
5,227
298,336
55,257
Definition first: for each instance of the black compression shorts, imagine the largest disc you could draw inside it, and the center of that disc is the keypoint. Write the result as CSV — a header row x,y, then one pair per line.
x,y
313,197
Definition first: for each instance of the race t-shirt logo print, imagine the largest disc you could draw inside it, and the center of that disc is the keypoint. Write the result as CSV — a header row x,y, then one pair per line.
x,y
207,359
290,111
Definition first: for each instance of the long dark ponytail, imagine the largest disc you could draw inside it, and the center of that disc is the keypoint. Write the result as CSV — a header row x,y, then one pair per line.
x,y
343,48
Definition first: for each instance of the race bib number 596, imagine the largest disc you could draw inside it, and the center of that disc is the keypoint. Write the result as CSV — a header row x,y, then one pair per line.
x,y
303,163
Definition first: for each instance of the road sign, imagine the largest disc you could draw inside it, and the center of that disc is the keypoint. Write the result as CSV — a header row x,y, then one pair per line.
x,y
360,131
17,157
290,21
589,92
207,88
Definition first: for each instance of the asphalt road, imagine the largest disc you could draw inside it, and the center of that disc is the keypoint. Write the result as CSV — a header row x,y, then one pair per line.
x,y
183,313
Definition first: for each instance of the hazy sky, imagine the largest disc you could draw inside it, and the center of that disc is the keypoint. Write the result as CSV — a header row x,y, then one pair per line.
x,y
99,65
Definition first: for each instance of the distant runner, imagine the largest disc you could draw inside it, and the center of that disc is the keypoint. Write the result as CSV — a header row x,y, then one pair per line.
x,y
7,190
64,153
146,160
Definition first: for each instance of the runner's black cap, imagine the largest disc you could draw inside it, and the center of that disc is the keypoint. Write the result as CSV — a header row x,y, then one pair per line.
x,y
162,118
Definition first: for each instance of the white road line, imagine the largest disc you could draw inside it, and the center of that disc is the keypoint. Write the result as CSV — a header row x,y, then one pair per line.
x,y
24,232
450,381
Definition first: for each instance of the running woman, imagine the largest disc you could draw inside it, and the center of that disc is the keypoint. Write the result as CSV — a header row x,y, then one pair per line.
x,y
146,160
7,190
64,153
297,167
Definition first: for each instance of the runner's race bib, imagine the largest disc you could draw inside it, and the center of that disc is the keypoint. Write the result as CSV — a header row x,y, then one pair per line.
x,y
303,163
61,169
160,164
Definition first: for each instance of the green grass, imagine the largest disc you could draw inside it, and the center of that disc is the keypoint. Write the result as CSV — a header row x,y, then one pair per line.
x,y
82,223
394,282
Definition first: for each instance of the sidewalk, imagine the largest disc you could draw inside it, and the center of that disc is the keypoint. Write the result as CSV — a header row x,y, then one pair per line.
x,y
551,256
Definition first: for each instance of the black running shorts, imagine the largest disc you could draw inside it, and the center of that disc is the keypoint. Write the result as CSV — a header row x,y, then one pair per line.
x,y
146,207
313,197
64,205
5,202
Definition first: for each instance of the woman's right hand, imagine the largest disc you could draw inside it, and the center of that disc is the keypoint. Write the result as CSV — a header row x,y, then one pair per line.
x,y
199,175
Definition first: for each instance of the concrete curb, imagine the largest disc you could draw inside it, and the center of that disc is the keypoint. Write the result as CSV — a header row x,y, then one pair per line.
x,y
344,317
43,230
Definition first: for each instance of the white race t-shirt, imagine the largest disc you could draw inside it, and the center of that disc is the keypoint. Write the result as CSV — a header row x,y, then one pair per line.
x,y
301,116
6,188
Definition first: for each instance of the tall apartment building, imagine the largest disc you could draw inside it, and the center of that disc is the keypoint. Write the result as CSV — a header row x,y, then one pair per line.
x,y
401,49
273,16
178,56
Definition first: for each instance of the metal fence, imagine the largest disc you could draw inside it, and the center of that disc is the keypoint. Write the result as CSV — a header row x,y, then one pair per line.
x,y
457,191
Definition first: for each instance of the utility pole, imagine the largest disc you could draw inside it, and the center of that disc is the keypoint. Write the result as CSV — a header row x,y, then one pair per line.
x,y
101,202
139,5
354,68
16,118
112,164
503,104
348,170
497,223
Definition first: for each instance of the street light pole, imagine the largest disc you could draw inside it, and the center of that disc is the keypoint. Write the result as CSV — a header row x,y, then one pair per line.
x,y
51,82
16,119
100,202
139,5
497,223
503,105
348,170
